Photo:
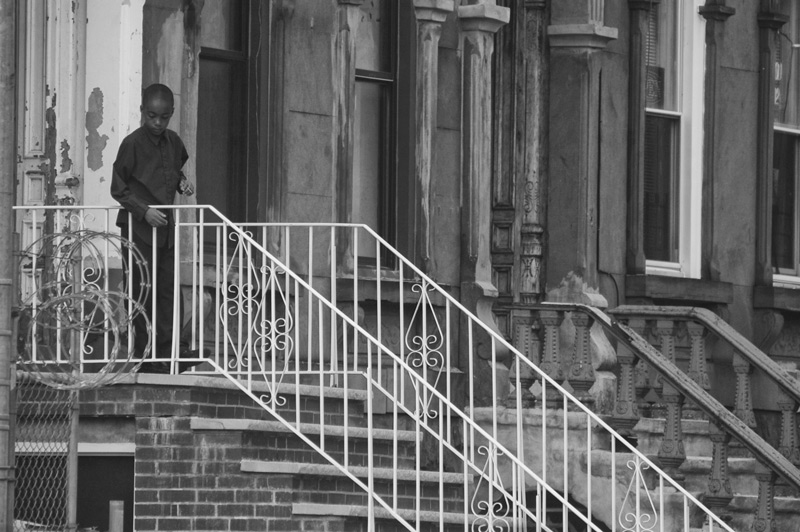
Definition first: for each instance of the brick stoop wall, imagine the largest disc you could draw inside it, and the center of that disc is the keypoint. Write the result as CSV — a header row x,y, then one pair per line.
x,y
197,438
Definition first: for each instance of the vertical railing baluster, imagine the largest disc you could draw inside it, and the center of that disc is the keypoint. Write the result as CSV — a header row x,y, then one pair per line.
x,y
641,373
697,363
671,453
526,340
764,519
551,363
788,445
718,493
626,410
744,395
581,372
666,331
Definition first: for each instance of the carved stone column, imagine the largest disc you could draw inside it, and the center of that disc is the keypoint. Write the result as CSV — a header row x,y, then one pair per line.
x,y
479,22
770,20
344,88
531,149
639,13
430,16
575,34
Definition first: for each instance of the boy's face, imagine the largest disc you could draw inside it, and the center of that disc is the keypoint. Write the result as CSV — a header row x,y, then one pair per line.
x,y
156,114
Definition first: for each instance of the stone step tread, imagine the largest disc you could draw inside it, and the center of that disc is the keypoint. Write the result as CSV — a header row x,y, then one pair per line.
x,y
347,510
257,387
743,502
303,468
201,423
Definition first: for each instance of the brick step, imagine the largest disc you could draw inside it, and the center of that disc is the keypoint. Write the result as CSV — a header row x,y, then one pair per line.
x,y
321,483
273,441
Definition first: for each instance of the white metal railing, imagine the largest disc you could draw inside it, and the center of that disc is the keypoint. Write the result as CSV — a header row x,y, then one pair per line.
x,y
335,305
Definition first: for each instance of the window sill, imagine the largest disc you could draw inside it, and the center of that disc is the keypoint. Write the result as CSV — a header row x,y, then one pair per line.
x,y
777,297
660,288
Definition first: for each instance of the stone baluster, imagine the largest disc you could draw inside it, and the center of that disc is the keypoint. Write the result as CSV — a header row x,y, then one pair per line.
x,y
788,445
581,372
697,365
718,493
744,395
626,411
671,453
641,375
526,340
666,331
551,365
764,519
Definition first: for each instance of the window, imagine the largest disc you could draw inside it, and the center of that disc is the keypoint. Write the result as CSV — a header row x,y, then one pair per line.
x,y
381,146
223,178
785,169
675,55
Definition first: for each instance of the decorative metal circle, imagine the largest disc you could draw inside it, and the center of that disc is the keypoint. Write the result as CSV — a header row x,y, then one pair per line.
x,y
67,305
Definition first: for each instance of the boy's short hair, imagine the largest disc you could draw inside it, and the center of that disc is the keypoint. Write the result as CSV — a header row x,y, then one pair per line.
x,y
157,90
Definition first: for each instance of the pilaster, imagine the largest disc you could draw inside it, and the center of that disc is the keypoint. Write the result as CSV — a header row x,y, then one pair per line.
x,y
479,22
770,21
639,13
344,69
430,16
576,33
716,13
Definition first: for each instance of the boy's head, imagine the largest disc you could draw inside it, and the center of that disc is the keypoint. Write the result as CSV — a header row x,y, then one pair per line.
x,y
157,107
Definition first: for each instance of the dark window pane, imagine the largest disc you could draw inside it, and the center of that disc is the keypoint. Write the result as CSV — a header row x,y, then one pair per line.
x,y
220,134
783,201
102,479
661,188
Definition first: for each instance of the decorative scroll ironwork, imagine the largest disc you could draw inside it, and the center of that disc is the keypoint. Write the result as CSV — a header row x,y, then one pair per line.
x,y
425,341
67,305
253,296
492,515
637,515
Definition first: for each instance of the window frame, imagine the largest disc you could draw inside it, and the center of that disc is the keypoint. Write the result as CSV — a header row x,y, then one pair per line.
x,y
691,76
783,277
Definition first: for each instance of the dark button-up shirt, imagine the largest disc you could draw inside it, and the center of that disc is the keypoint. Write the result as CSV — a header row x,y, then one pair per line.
x,y
147,172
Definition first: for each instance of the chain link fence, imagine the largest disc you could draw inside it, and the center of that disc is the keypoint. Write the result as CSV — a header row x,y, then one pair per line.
x,y
42,437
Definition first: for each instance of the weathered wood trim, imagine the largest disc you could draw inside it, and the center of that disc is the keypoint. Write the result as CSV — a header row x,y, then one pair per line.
x,y
344,81
430,16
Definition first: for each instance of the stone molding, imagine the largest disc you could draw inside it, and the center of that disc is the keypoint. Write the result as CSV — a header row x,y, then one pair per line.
x,y
717,12
643,5
433,10
483,17
581,35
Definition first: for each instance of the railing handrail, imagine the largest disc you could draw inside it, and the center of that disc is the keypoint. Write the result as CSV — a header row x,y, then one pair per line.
x,y
722,329
762,450
497,339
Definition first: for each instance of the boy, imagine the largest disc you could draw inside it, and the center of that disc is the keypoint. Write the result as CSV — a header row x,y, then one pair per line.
x,y
147,172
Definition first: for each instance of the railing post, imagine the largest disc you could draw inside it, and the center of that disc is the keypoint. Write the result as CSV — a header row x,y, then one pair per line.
x,y
764,520
551,365
626,411
697,364
666,331
581,372
718,493
744,395
788,446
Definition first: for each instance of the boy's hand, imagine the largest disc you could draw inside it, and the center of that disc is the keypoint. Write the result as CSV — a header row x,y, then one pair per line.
x,y
155,218
185,186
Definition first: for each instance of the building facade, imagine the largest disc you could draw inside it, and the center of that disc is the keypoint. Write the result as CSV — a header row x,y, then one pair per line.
x,y
600,152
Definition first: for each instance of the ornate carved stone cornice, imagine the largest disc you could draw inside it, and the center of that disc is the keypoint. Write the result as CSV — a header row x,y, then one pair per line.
x,y
535,4
772,20
433,10
581,35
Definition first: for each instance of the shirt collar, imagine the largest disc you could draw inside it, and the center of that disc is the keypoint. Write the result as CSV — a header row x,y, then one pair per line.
x,y
155,139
